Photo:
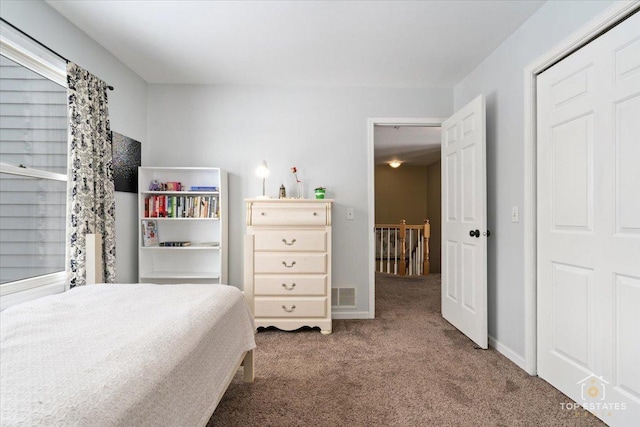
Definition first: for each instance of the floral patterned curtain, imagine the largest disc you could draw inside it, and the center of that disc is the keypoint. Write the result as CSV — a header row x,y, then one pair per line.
x,y
90,187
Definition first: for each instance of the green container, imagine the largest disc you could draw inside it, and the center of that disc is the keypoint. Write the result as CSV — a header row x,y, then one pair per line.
x,y
320,193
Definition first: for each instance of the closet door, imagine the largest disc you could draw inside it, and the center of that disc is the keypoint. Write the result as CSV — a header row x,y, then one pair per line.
x,y
589,225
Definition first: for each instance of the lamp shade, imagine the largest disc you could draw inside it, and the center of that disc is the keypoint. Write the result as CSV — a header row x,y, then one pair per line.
x,y
262,171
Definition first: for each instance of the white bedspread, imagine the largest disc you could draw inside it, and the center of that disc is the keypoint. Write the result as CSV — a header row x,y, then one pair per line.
x,y
121,355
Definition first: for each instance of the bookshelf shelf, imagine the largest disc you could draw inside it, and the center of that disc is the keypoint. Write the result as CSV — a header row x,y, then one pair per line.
x,y
191,221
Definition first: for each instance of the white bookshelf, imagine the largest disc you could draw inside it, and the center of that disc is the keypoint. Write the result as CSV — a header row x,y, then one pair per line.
x,y
205,259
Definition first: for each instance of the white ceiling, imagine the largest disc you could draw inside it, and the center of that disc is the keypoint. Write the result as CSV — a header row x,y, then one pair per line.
x,y
306,43
318,43
412,145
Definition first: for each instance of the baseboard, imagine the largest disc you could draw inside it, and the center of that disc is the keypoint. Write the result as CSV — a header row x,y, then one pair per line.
x,y
508,353
351,315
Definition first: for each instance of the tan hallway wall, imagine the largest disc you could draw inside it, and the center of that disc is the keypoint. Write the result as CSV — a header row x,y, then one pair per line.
x,y
401,194
434,213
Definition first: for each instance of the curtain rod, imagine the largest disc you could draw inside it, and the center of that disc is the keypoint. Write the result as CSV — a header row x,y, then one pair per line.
x,y
41,44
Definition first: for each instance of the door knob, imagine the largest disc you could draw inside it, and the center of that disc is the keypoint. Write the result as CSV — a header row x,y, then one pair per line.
x,y
474,233
487,233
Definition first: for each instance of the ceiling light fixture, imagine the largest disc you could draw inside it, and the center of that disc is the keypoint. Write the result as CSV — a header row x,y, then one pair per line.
x,y
395,163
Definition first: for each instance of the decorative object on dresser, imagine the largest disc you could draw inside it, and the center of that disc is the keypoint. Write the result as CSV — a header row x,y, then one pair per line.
x,y
262,171
187,208
320,191
287,271
294,171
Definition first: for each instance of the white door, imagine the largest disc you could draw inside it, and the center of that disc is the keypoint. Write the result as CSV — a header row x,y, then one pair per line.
x,y
589,225
464,221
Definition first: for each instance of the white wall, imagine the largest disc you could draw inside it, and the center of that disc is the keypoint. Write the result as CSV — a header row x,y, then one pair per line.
x,y
127,104
323,132
500,77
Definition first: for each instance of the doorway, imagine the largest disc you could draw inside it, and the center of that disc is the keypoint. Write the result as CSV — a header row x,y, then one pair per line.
x,y
380,154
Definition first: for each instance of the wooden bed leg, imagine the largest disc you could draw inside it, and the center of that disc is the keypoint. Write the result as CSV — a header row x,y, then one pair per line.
x,y
248,367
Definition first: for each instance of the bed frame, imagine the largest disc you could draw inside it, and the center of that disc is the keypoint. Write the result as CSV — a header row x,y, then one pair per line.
x,y
247,363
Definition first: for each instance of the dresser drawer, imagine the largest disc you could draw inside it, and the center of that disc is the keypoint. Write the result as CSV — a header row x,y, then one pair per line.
x,y
290,285
291,240
289,214
288,263
290,307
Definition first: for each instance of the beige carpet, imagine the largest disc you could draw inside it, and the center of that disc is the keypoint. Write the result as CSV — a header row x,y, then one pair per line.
x,y
407,367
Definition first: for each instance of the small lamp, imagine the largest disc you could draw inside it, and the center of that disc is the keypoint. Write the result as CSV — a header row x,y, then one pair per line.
x,y
262,171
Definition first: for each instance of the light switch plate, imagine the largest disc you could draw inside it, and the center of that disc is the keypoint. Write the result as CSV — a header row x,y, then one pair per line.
x,y
515,214
349,213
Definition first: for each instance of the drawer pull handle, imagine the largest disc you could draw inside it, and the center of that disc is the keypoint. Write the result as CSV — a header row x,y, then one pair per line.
x,y
263,213
315,214
293,285
293,307
287,243
288,266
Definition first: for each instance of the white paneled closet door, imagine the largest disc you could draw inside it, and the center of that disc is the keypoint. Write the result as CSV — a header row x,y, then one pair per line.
x,y
589,225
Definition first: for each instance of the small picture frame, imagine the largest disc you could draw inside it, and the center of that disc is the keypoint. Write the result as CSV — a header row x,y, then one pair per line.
x,y
150,233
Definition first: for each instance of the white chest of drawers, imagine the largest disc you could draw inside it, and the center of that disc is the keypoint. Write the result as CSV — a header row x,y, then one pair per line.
x,y
287,266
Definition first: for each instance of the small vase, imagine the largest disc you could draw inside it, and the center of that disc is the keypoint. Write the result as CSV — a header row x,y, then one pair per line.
x,y
299,188
320,193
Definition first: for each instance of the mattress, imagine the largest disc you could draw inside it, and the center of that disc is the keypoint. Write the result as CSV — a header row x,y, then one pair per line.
x,y
121,355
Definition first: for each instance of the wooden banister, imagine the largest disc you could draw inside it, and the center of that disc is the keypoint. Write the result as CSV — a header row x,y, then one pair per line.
x,y
426,235
403,248
403,262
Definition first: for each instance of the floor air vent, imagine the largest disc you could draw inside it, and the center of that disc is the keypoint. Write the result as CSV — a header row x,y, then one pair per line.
x,y
343,297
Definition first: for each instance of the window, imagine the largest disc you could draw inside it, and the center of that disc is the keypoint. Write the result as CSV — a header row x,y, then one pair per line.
x,y
33,163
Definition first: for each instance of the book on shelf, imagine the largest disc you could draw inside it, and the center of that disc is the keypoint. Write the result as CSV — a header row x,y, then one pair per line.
x,y
170,212
149,233
170,206
174,186
175,244
203,188
210,244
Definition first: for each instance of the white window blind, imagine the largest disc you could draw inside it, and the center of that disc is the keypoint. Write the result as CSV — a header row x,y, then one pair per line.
x,y
33,164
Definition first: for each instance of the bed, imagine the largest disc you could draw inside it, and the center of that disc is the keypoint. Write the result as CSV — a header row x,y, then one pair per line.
x,y
123,354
